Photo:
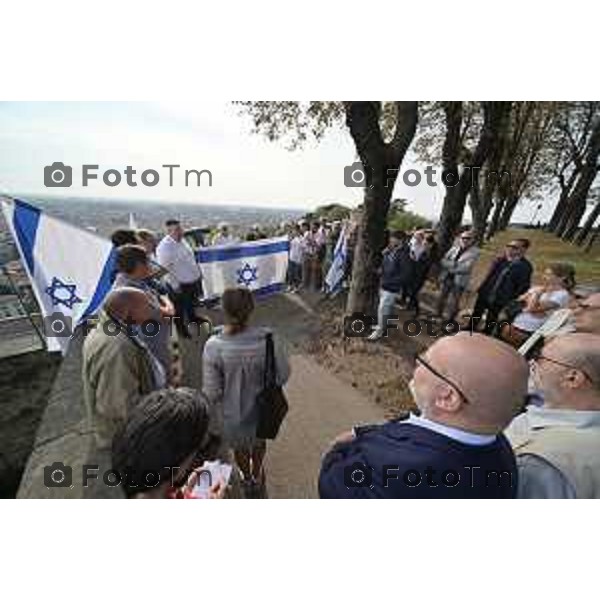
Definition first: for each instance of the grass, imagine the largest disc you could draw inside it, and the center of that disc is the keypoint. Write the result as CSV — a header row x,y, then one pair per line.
x,y
545,249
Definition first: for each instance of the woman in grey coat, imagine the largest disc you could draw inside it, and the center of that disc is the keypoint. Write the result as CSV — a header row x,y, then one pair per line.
x,y
233,372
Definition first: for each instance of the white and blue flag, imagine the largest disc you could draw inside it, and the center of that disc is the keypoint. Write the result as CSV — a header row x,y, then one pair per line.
x,y
70,269
335,275
260,266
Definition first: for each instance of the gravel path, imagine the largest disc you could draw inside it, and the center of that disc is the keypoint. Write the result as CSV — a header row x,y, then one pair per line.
x,y
321,405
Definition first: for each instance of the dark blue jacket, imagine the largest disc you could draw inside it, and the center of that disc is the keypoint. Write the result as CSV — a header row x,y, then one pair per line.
x,y
396,268
402,460
515,283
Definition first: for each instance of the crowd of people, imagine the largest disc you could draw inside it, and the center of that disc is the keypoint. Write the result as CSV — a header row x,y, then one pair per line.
x,y
490,421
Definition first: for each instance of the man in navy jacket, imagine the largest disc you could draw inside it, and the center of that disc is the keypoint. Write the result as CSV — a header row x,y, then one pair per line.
x,y
395,274
509,276
468,388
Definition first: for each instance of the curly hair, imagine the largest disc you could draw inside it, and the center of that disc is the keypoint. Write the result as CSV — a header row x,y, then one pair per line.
x,y
163,429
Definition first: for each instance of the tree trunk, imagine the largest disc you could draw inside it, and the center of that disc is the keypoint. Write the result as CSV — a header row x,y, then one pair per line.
x,y
507,212
382,161
591,240
495,114
479,212
576,204
367,254
573,219
588,225
559,210
453,207
495,220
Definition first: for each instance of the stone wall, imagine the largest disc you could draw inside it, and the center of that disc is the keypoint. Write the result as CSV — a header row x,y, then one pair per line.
x,y
26,381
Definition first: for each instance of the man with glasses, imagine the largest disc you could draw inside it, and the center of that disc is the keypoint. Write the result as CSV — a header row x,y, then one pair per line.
x,y
586,315
558,444
457,266
467,388
508,278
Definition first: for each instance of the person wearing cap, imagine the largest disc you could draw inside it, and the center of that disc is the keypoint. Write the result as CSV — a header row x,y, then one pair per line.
x,y
558,442
456,268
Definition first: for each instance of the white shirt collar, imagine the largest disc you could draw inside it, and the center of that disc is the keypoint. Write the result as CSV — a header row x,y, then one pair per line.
x,y
460,435
541,417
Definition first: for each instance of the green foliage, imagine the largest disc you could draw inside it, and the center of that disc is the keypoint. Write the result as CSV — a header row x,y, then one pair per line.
x,y
405,220
330,212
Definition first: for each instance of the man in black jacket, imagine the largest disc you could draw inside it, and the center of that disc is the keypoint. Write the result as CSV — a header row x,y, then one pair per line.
x,y
395,274
468,388
509,277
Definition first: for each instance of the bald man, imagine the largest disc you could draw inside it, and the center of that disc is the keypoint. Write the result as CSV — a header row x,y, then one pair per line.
x,y
468,388
118,368
558,444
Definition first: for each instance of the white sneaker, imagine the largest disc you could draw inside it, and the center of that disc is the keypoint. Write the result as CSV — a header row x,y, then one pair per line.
x,y
376,335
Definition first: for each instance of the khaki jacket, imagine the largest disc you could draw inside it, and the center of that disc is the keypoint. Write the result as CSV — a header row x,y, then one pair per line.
x,y
117,372
567,439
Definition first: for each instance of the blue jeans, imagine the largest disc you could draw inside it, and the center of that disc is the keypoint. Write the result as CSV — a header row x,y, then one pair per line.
x,y
387,301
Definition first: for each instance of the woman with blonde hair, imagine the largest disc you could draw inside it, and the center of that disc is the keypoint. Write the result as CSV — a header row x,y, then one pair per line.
x,y
234,368
539,302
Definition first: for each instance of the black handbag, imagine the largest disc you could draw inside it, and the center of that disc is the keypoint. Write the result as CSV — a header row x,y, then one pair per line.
x,y
271,401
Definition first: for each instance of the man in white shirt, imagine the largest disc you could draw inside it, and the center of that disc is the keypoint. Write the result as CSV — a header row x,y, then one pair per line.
x,y
558,444
184,275
295,260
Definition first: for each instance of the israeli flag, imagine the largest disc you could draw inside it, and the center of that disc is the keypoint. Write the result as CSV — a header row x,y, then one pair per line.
x,y
260,266
335,275
70,269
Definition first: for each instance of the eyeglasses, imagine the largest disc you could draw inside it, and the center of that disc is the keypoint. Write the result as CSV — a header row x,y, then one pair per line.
x,y
421,361
540,356
584,305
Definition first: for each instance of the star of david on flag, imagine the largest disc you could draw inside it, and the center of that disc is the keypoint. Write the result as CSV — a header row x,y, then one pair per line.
x,y
55,291
247,274
70,269
260,266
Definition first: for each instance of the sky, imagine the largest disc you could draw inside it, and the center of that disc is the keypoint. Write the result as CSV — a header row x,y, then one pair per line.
x,y
246,169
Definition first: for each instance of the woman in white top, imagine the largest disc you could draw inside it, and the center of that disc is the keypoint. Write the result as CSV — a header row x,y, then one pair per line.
x,y
539,302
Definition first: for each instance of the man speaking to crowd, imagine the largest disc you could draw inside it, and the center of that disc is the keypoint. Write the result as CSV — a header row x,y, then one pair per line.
x,y
468,388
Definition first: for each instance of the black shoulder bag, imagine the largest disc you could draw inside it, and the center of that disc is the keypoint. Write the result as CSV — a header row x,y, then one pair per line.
x,y
271,401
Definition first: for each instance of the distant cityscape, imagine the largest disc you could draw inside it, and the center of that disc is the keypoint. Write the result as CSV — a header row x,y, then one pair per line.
x,y
104,216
